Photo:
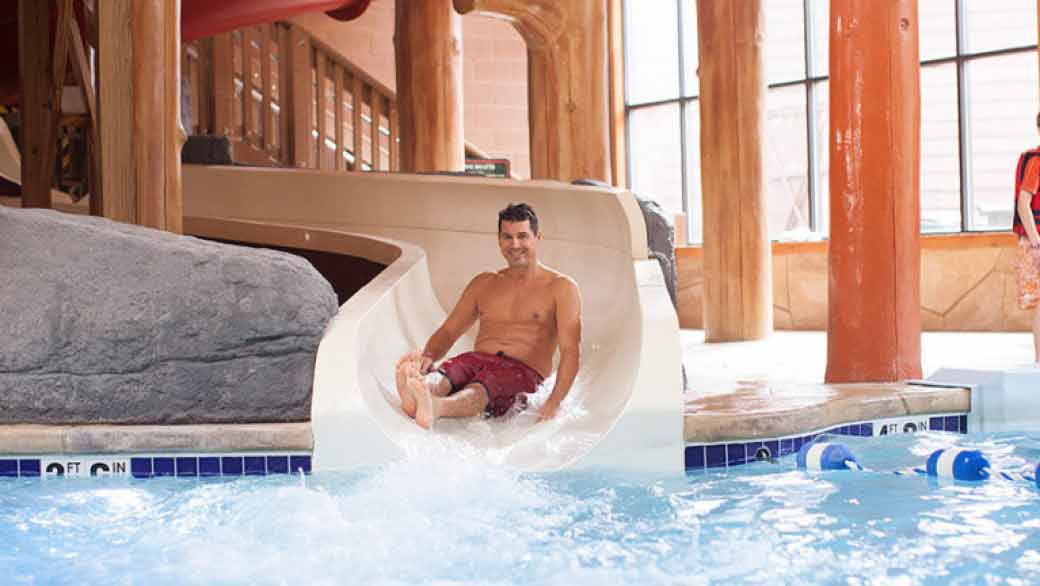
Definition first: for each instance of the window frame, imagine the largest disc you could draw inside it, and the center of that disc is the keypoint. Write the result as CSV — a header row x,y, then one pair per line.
x,y
961,59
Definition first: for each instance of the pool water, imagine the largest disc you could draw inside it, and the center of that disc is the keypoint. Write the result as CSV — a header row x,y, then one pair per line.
x,y
442,517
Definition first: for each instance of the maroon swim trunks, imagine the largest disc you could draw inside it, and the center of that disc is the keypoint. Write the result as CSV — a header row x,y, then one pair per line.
x,y
503,378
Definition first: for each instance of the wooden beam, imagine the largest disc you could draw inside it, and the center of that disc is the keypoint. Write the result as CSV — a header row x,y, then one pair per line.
x,y
39,109
60,53
173,132
115,108
616,65
428,55
738,303
139,106
81,68
148,101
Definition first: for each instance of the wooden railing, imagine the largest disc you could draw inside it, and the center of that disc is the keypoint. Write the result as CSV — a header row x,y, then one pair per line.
x,y
286,99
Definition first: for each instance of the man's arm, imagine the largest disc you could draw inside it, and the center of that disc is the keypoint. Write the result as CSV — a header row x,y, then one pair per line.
x,y
568,324
460,320
1025,214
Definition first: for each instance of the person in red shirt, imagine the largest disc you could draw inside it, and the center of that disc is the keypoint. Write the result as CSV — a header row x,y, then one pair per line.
x,y
1027,211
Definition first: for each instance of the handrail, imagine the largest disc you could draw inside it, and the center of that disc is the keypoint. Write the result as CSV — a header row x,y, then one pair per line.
x,y
287,99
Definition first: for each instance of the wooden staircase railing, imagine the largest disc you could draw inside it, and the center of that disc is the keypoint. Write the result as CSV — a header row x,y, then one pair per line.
x,y
284,98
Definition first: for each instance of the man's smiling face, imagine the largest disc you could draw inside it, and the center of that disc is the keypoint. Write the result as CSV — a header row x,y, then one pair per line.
x,y
517,242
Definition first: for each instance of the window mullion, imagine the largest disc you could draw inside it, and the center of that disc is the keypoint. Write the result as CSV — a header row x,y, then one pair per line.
x,y
963,123
684,151
810,116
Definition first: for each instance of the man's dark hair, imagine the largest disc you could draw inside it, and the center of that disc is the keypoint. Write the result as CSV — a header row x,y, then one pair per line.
x,y
1038,120
518,213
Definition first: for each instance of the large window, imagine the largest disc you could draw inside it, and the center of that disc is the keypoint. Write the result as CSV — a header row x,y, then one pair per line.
x,y
979,96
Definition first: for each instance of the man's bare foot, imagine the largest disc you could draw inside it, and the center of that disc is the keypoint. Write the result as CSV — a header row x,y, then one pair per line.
x,y
425,407
407,367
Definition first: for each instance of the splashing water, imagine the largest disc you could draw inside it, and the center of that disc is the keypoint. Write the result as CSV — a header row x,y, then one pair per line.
x,y
442,515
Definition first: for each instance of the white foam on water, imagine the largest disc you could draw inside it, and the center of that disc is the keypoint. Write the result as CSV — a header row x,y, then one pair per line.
x,y
443,515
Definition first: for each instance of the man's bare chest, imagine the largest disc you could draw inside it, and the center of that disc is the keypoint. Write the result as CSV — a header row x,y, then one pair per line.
x,y
503,302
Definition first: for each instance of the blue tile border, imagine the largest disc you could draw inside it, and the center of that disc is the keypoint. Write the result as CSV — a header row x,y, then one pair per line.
x,y
298,464
153,466
187,466
256,466
725,454
231,466
162,467
9,468
28,468
209,466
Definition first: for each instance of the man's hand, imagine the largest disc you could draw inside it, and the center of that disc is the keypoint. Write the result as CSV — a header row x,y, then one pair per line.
x,y
548,411
416,361
426,364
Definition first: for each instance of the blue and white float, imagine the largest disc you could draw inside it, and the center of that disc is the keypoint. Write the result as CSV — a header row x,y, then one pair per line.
x,y
826,456
958,464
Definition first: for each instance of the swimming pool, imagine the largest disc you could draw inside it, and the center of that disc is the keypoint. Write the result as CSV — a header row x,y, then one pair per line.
x,y
438,517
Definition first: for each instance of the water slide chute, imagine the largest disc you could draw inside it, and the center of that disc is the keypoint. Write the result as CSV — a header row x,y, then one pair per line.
x,y
435,233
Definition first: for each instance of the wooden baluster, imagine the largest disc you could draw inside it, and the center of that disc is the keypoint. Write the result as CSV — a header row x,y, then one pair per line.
x,y
395,154
284,91
337,78
358,93
319,65
81,67
377,114
204,89
267,130
223,85
301,97
250,120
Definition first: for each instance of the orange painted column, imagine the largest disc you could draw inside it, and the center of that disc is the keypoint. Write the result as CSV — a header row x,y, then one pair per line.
x,y
874,319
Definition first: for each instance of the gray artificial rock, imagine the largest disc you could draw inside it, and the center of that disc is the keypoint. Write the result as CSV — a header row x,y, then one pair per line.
x,y
102,322
660,237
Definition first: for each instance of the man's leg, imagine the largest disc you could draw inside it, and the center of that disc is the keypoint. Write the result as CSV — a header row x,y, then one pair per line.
x,y
468,402
1036,336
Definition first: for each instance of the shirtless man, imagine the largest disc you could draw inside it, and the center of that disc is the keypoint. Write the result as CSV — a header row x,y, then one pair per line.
x,y
526,311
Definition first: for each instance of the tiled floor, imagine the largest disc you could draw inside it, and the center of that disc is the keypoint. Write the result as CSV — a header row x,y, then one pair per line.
x,y
801,357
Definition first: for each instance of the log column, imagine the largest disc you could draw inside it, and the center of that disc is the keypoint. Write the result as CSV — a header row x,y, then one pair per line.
x,y
140,131
567,82
428,53
738,288
616,95
874,316
40,102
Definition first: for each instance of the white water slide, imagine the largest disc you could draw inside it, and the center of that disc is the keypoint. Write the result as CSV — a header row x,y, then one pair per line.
x,y
435,233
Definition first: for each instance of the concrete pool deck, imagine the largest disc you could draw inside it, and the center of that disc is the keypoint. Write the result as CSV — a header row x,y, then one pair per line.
x,y
774,387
